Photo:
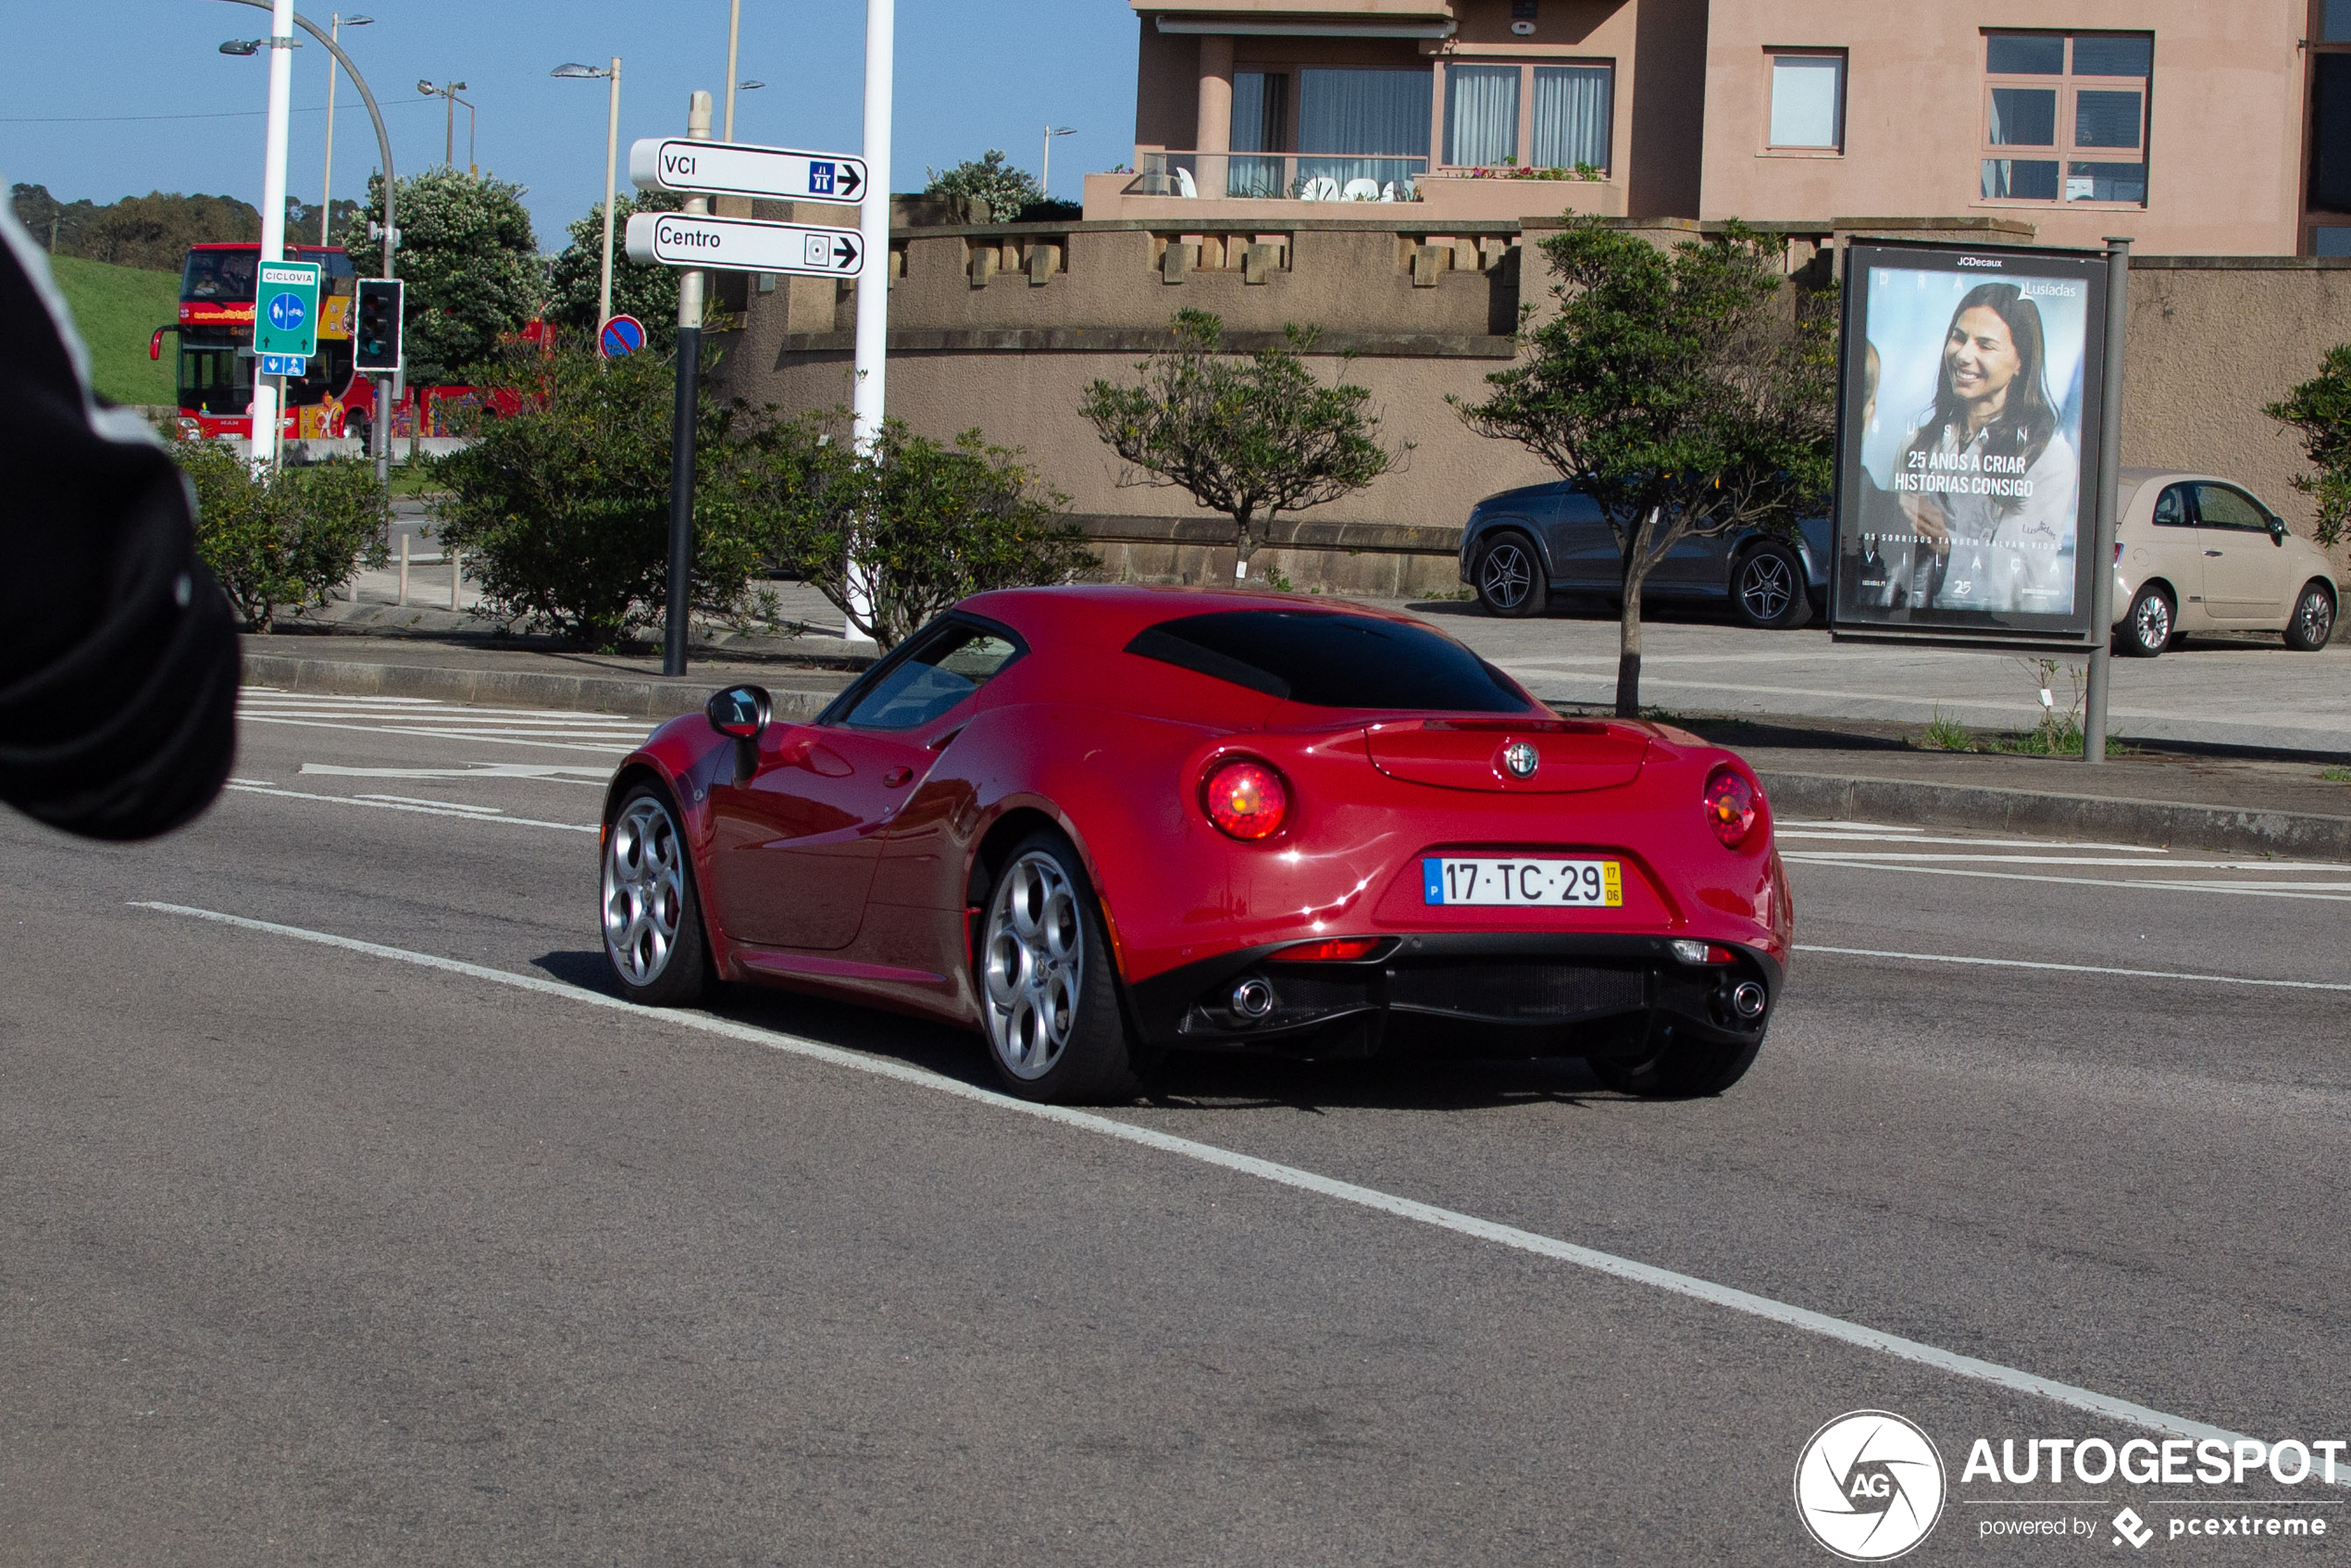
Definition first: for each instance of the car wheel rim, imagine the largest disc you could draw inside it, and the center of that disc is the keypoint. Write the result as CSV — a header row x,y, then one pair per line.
x,y
1507,577
1033,965
644,890
2316,618
1767,589
2154,623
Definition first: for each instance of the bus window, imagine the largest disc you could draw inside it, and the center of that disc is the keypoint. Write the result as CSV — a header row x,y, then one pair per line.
x,y
215,380
225,275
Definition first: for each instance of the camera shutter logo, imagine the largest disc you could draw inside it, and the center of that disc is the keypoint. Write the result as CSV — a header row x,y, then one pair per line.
x,y
1869,1486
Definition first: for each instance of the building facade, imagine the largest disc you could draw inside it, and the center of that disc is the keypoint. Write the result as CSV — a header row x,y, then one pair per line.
x,y
2193,127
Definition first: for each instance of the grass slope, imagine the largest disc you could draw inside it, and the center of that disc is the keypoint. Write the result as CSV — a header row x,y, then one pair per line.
x,y
116,309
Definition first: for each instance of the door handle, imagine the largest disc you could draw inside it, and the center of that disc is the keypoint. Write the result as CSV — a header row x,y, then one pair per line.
x,y
2213,553
893,777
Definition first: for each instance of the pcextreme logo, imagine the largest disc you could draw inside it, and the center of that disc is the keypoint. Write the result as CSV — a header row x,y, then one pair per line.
x,y
1869,1486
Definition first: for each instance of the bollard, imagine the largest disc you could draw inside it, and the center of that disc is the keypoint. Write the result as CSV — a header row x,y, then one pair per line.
x,y
457,575
404,570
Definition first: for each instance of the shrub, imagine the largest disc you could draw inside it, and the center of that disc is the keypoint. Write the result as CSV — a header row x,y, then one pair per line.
x,y
281,536
470,262
896,535
645,290
563,509
1007,191
2320,410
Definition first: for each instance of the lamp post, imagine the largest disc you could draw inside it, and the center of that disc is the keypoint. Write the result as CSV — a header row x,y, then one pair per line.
x,y
449,91
1045,178
734,32
612,164
327,180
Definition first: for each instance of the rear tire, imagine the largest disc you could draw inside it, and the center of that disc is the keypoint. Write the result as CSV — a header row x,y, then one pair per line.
x,y
1509,576
651,919
2149,626
1652,1064
1049,996
1768,588
2313,621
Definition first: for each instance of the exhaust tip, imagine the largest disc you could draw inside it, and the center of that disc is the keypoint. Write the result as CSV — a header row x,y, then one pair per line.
x,y
1748,999
1253,998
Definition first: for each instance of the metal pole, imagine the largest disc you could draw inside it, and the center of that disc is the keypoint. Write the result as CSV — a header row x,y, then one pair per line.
x,y
327,179
449,132
734,30
679,587
404,570
867,401
2117,281
268,391
612,164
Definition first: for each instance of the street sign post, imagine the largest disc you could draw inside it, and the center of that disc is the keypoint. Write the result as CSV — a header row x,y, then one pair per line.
x,y
294,365
285,316
622,336
742,244
730,169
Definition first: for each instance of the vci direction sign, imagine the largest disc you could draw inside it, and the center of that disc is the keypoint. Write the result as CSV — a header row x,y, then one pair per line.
x,y
731,169
740,244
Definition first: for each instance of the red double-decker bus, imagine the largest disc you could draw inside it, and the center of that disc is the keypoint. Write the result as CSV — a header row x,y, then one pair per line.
x,y
216,361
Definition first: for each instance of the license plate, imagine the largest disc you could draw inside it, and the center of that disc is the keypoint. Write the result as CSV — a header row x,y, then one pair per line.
x,y
1521,881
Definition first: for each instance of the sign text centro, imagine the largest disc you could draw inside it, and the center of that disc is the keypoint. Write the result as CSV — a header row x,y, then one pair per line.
x,y
733,169
742,244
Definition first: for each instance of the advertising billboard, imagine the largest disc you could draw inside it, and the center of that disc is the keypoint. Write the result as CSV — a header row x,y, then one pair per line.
x,y
1967,444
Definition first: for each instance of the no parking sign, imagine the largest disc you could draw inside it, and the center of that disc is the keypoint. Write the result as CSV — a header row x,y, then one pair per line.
x,y
622,336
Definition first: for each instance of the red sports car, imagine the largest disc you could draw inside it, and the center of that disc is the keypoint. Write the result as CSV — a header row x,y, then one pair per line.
x,y
1102,824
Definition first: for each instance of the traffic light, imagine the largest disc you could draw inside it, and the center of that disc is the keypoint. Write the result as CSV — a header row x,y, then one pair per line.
x,y
375,343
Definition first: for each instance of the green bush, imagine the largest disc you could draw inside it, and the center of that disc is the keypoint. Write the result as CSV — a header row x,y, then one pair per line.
x,y
896,535
281,536
1007,191
2320,410
562,510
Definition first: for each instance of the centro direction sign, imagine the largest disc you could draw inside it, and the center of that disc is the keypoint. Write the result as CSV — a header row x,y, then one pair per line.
x,y
741,245
734,168
285,316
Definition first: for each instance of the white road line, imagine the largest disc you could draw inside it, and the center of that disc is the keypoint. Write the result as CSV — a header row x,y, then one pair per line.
x,y
2075,968
1765,1307
1889,857
2139,886
471,813
617,746
556,773
452,805
1840,823
1782,832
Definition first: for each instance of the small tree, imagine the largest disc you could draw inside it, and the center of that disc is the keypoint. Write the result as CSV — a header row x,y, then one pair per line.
x,y
470,262
281,536
894,535
563,509
2320,410
1687,392
1250,438
647,291
1007,191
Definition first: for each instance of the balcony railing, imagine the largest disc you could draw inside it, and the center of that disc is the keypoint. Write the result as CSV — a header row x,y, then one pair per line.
x,y
1294,177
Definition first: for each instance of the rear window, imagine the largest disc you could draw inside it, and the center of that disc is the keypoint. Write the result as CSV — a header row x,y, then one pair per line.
x,y
1332,661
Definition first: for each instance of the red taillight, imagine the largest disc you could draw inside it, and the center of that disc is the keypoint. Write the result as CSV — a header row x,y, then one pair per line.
x,y
1338,950
1730,806
1246,800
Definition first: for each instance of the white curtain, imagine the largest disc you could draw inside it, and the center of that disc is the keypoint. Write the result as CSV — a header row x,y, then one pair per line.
x,y
1571,115
1261,122
1363,112
1481,114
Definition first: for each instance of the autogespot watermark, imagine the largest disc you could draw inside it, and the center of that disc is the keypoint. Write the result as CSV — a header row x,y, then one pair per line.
x,y
1871,1484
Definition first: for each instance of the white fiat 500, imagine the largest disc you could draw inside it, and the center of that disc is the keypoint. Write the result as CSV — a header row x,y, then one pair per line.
x,y
2199,553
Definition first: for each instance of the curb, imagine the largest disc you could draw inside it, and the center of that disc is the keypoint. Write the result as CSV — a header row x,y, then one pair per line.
x,y
654,699
1910,802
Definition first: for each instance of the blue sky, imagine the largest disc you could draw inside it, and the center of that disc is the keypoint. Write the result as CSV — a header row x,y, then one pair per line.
x,y
969,77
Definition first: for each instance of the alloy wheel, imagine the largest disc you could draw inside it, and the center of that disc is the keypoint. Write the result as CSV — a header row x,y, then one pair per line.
x,y
1765,587
1033,964
2314,618
1506,576
2154,623
644,890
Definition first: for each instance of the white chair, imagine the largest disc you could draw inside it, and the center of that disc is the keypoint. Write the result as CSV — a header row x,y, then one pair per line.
x,y
1362,190
1184,185
1387,192
1322,188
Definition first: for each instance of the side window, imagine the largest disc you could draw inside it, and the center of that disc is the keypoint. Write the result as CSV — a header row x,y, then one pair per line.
x,y
2171,509
2219,506
944,669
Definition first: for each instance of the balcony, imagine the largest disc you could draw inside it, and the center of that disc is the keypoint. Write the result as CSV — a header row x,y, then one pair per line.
x,y
1172,184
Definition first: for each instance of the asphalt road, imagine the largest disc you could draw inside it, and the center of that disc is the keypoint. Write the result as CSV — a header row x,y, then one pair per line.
x,y
348,1253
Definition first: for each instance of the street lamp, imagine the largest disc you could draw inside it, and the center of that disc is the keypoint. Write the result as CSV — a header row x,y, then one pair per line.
x,y
611,162
327,180
244,46
449,91
1045,179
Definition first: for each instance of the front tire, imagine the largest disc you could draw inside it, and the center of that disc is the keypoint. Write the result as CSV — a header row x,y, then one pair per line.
x,y
1048,999
1648,1061
651,921
2148,629
2313,621
1510,577
1768,589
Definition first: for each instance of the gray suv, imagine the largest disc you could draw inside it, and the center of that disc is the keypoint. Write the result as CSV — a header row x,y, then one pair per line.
x,y
1524,546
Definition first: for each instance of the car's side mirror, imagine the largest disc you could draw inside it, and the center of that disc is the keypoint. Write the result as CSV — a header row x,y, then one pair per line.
x,y
2277,532
741,714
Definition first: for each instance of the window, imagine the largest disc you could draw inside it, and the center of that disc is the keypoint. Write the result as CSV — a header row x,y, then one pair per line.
x,y
937,670
2329,125
1260,125
2171,509
2066,116
1543,116
1360,115
1332,661
1808,100
2219,506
